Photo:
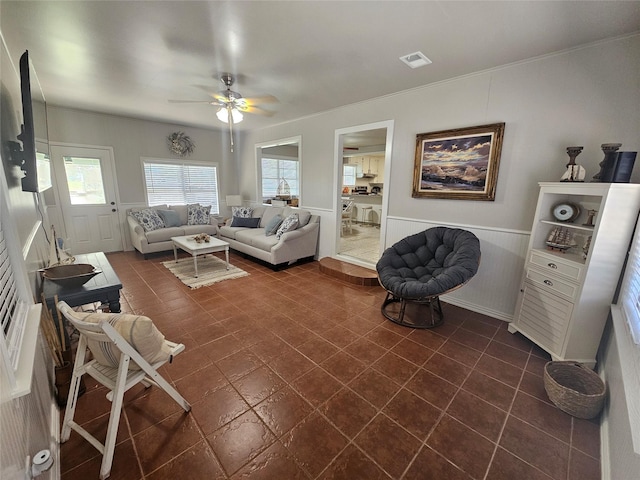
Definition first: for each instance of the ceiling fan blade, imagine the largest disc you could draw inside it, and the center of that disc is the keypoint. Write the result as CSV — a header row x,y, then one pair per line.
x,y
220,98
211,102
261,99
207,89
256,110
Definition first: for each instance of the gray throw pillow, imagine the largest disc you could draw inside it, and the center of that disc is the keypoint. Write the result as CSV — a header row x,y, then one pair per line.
x,y
171,218
272,227
245,222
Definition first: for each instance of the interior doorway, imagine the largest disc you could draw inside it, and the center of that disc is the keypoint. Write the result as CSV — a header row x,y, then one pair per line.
x,y
363,166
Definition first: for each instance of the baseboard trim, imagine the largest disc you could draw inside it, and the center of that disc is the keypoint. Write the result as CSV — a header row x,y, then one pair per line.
x,y
477,308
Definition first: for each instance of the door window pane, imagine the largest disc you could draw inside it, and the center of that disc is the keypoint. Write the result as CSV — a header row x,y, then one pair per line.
x,y
84,180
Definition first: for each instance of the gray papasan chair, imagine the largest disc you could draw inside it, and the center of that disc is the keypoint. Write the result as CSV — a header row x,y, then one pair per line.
x,y
421,267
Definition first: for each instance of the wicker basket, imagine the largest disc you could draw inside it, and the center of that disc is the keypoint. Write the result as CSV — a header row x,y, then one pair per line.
x,y
574,388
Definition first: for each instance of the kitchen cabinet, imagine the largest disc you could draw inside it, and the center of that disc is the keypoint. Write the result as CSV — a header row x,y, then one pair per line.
x,y
565,293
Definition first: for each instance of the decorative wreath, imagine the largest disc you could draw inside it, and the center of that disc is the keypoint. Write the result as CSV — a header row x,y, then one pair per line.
x,y
180,144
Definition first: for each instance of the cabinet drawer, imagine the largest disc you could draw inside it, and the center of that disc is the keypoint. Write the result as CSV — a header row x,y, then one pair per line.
x,y
555,266
553,284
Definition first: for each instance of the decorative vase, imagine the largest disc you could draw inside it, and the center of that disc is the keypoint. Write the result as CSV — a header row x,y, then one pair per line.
x,y
609,150
574,173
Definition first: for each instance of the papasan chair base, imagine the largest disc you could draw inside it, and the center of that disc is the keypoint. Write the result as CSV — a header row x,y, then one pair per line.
x,y
436,319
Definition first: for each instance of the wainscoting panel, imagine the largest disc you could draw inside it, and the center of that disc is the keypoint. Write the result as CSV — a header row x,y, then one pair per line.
x,y
494,289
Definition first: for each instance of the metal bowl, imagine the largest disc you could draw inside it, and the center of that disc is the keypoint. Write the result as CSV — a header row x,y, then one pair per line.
x,y
70,276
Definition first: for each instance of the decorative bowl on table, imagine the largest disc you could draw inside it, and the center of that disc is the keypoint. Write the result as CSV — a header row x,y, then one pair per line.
x,y
202,237
70,276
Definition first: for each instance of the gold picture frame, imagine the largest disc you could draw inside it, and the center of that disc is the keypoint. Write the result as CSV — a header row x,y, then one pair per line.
x,y
459,164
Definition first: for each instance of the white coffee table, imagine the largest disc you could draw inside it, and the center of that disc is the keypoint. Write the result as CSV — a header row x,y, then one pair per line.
x,y
189,245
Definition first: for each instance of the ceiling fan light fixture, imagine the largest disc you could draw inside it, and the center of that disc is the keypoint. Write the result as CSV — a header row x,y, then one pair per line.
x,y
416,59
223,115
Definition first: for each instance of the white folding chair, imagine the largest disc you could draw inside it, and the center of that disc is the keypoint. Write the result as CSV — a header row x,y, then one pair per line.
x,y
117,380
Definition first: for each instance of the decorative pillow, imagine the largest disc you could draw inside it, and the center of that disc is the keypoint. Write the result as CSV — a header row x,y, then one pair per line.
x,y
149,219
288,224
137,330
182,211
272,227
242,212
198,214
171,218
245,222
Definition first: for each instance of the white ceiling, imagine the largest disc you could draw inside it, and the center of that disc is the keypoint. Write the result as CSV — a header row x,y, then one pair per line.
x,y
131,57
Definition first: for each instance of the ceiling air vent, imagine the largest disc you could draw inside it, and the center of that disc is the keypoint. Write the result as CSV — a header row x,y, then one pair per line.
x,y
416,59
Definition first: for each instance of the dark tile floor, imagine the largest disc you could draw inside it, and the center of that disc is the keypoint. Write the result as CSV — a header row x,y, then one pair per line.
x,y
296,375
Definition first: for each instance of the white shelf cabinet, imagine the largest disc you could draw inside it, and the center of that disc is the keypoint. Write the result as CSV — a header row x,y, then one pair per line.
x,y
564,297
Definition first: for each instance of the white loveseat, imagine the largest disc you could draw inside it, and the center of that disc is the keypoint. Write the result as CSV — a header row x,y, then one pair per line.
x,y
159,240
301,243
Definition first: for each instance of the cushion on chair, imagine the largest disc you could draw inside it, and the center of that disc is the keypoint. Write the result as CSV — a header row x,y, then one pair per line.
x,y
429,263
139,331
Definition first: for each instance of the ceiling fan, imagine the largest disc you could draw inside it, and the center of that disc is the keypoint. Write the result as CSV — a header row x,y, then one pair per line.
x,y
231,104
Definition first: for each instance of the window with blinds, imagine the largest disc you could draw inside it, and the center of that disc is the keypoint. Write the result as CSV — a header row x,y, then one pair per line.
x,y
181,183
14,313
349,173
630,292
274,170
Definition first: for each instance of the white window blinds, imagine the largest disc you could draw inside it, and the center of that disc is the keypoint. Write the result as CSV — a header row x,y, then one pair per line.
x,y
274,170
349,173
630,292
181,183
13,312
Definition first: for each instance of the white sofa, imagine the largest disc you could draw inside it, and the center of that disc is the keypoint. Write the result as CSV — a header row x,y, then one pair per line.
x,y
301,243
160,240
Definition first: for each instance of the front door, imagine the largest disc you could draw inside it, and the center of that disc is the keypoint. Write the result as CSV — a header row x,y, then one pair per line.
x,y
87,193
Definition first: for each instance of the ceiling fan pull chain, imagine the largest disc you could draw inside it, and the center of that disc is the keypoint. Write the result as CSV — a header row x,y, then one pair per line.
x,y
230,125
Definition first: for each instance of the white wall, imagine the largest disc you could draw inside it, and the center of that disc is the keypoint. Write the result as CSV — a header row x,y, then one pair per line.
x,y
28,423
587,96
132,139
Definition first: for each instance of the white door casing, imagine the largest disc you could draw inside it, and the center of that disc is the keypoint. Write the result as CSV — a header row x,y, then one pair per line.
x,y
90,206
337,185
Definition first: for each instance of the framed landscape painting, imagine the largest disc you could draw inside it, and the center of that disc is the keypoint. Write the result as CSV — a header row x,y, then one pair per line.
x,y
458,164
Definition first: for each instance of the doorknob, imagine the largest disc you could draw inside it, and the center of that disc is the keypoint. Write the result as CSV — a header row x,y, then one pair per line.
x,y
113,203
113,209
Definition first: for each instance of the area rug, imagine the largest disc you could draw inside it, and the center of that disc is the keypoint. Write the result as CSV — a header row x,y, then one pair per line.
x,y
211,270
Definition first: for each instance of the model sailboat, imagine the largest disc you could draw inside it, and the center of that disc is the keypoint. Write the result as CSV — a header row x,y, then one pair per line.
x,y
57,256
